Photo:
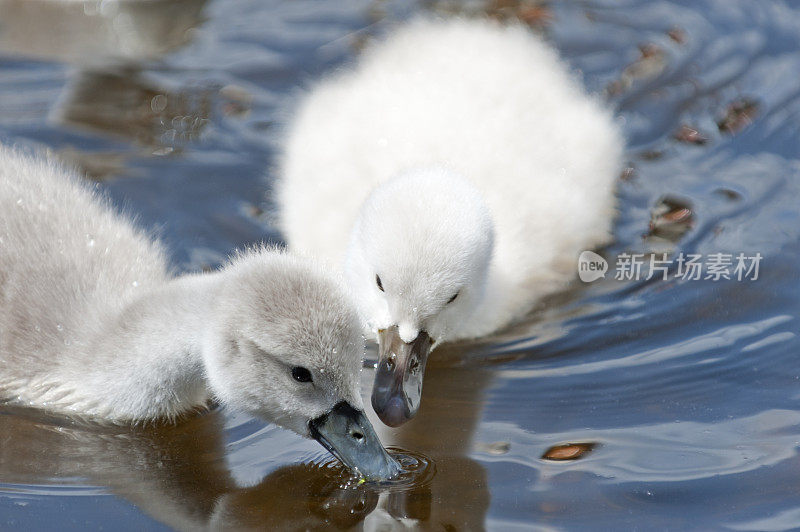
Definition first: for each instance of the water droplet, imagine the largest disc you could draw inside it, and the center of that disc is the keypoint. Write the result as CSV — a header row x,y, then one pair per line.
x,y
89,241
19,201
135,284
59,327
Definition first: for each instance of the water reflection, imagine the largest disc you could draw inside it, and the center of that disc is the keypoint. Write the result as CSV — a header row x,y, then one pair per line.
x,y
176,474
179,476
97,32
444,430
690,389
108,93
123,102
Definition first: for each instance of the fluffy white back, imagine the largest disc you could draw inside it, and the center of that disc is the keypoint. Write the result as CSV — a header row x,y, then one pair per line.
x,y
494,104
67,262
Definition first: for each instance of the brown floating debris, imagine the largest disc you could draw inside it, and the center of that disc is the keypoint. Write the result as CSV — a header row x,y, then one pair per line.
x,y
535,13
651,155
536,16
728,194
568,451
651,62
738,115
677,34
677,216
650,50
670,219
628,173
690,135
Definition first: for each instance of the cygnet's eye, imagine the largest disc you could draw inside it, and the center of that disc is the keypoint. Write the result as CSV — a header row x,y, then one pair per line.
x,y
379,283
301,374
453,298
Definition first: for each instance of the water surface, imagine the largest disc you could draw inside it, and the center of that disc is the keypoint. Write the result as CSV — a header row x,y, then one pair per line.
x,y
689,389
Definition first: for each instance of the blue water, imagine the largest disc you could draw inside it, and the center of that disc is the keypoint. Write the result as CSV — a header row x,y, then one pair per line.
x,y
690,389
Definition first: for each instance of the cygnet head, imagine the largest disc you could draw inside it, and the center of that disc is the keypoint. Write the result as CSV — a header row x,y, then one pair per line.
x,y
285,344
417,262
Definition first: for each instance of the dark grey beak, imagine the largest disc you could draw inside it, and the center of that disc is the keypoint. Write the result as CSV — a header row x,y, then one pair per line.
x,y
398,380
349,436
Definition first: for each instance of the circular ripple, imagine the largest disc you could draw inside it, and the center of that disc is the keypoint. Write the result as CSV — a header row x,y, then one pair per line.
x,y
417,471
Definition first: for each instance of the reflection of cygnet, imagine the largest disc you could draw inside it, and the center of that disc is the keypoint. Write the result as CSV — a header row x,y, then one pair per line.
x,y
108,41
92,324
456,173
96,31
178,474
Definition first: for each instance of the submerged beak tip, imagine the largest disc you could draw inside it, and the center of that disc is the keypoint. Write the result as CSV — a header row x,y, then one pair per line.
x,y
348,435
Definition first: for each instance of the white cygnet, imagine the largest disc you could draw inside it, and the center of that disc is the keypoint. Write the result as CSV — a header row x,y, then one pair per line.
x,y
455,173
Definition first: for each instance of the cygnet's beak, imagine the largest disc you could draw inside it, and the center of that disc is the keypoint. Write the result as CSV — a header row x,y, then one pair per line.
x,y
349,436
398,380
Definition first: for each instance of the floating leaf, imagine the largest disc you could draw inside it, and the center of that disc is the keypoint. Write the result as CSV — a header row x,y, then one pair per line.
x,y
568,451
670,220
